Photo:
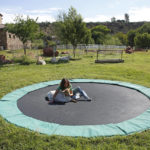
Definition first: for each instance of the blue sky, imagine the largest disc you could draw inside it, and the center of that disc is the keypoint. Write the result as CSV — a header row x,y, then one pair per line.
x,y
91,10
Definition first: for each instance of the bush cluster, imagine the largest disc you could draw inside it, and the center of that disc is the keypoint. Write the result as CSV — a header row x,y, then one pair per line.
x,y
23,60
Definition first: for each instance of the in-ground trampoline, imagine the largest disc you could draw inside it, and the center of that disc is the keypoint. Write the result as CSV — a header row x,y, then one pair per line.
x,y
117,108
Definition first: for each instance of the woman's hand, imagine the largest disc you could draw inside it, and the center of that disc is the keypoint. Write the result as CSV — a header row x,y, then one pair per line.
x,y
67,92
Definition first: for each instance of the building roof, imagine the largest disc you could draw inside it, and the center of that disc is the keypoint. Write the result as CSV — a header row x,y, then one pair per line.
x,y
1,15
2,26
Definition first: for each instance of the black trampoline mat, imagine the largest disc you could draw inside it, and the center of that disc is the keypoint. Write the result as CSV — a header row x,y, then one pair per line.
x,y
110,104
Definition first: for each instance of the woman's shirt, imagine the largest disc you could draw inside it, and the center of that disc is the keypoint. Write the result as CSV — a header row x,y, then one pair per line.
x,y
60,88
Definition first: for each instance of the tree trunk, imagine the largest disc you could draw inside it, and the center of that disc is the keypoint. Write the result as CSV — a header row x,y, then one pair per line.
x,y
74,51
24,47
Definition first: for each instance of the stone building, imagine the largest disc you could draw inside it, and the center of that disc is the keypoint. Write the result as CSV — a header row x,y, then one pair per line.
x,y
8,40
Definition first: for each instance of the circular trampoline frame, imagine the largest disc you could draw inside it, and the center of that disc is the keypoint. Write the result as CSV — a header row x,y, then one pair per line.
x,y
9,103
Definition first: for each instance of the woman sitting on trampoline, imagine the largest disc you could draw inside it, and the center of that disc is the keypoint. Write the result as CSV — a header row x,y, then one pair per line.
x,y
65,93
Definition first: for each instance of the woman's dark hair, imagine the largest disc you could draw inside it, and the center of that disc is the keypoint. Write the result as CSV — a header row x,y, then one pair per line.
x,y
62,83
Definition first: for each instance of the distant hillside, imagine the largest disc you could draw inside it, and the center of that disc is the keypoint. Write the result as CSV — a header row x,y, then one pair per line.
x,y
118,26
47,28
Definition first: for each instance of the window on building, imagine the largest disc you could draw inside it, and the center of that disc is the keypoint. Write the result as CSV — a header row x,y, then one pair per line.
x,y
9,35
14,36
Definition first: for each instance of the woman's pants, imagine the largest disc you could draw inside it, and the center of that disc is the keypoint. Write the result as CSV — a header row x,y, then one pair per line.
x,y
78,92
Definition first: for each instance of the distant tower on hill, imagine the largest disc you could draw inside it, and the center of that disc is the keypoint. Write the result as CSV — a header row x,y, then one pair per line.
x,y
1,18
126,16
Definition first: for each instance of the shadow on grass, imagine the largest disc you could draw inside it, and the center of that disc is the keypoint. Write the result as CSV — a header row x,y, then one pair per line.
x,y
59,62
2,65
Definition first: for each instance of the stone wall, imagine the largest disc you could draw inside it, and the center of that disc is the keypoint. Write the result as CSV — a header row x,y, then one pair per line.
x,y
1,18
10,41
3,40
13,42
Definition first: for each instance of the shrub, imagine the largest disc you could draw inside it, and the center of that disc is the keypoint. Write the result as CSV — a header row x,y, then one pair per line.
x,y
23,60
26,60
112,40
142,40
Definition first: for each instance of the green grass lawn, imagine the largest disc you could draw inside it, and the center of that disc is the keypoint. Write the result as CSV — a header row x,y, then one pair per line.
x,y
135,69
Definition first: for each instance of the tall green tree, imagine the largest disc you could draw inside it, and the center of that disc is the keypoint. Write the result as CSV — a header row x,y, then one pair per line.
x,y
145,28
71,28
88,37
122,37
26,29
112,40
142,40
99,33
130,38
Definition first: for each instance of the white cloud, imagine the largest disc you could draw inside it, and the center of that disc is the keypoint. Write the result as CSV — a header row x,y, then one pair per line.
x,y
103,18
97,18
7,18
135,14
43,18
43,15
43,11
139,14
